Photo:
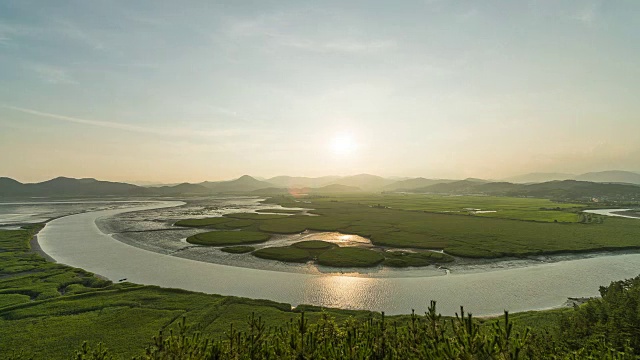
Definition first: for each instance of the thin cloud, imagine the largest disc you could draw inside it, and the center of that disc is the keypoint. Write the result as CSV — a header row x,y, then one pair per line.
x,y
74,32
588,14
7,32
52,74
338,46
274,30
126,127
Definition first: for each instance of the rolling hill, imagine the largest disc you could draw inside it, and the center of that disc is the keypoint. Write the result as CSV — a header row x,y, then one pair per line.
x,y
301,182
181,189
415,183
611,176
365,182
244,183
63,186
557,189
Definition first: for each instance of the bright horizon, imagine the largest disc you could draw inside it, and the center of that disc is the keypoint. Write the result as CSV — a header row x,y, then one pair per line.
x,y
159,92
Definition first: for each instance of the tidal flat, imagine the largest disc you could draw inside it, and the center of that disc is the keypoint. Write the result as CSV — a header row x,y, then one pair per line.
x,y
485,292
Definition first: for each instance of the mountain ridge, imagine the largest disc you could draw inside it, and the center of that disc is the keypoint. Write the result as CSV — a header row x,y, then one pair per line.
x,y
66,186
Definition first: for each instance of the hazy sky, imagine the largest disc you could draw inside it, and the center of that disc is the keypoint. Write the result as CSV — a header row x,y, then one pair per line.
x,y
208,90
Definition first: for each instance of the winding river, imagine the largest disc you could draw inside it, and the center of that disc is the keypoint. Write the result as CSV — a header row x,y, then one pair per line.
x,y
75,240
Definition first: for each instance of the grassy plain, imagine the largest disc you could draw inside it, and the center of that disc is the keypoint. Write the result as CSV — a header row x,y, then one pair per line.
x,y
278,211
329,254
314,245
520,226
408,221
419,258
350,257
283,253
240,249
531,209
302,251
47,310
219,238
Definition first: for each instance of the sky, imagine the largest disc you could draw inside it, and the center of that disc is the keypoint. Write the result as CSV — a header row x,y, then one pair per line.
x,y
173,91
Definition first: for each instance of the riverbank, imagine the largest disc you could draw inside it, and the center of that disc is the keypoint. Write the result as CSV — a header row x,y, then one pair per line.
x,y
483,293
47,310
68,306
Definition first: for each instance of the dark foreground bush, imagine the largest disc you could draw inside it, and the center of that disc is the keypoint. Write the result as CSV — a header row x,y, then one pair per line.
x,y
423,337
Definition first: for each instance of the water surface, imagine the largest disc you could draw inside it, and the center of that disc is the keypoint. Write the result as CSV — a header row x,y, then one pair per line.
x,y
77,241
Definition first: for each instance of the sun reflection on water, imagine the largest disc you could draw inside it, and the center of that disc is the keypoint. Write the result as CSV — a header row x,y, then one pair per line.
x,y
349,292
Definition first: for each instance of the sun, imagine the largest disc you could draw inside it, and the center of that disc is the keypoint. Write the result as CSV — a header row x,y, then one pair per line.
x,y
343,144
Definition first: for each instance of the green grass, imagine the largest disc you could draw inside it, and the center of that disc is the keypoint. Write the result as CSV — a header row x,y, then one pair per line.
x,y
13,299
302,251
48,310
238,249
220,238
350,257
284,253
278,211
422,258
506,207
314,245
520,227
406,224
254,216
235,224
539,320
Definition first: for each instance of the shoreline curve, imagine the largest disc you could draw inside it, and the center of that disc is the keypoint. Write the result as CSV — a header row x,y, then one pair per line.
x,y
75,240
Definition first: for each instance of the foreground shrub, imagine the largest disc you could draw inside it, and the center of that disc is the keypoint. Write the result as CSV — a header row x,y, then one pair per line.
x,y
423,337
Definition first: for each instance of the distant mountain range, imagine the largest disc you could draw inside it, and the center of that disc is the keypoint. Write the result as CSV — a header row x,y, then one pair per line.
x,y
242,184
63,186
615,176
606,183
557,189
301,182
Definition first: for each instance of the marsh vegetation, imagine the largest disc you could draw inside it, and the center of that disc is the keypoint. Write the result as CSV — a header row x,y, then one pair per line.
x,y
463,226
48,310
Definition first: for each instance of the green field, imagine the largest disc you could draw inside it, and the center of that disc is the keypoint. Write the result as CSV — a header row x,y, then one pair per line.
x,y
302,251
219,238
284,253
47,311
530,209
314,245
350,257
278,211
419,258
329,254
520,227
240,249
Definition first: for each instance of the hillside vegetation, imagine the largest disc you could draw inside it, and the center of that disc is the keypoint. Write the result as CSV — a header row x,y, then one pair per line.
x,y
51,311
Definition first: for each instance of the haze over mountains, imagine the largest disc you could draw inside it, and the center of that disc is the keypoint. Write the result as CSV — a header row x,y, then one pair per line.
x,y
621,184
614,176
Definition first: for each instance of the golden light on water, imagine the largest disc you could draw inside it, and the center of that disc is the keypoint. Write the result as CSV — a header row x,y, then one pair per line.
x,y
343,291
